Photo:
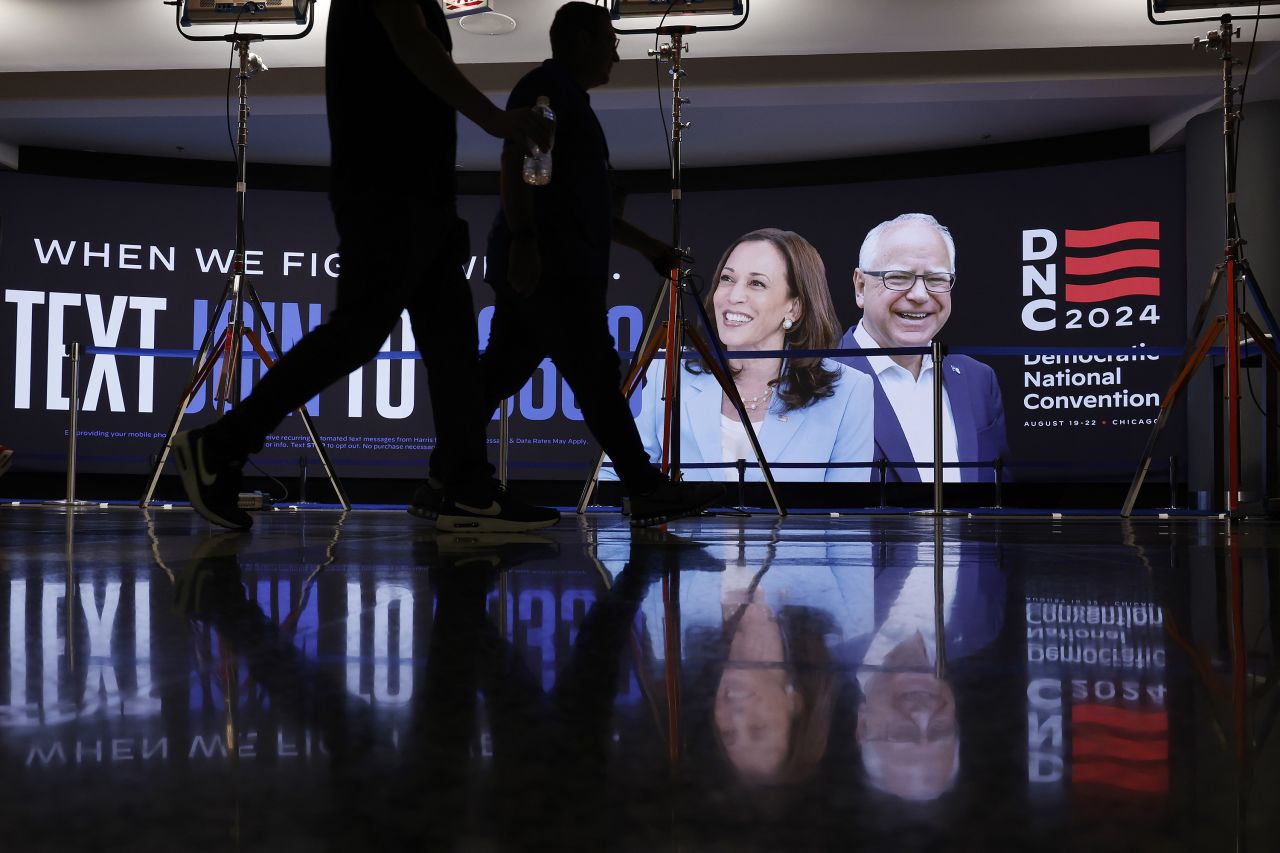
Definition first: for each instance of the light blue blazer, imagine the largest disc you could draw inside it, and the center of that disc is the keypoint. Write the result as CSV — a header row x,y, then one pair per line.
x,y
839,428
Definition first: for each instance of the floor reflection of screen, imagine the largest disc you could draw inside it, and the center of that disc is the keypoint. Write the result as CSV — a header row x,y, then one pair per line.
x,y
1096,696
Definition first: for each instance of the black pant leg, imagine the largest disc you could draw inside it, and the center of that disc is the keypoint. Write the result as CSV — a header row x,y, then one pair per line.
x,y
510,357
584,351
386,251
444,327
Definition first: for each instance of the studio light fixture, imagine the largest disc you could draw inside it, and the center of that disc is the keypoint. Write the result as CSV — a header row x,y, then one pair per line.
x,y
1189,5
259,11
1241,10
673,8
236,18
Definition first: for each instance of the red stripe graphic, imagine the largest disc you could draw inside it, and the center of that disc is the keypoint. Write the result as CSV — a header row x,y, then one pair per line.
x,y
1120,718
1154,779
1114,261
1139,230
1124,749
1112,289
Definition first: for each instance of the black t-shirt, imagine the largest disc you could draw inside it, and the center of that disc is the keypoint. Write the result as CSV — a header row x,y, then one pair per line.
x,y
574,212
388,134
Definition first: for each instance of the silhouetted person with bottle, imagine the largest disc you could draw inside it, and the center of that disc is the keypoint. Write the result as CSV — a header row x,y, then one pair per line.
x,y
393,94
549,266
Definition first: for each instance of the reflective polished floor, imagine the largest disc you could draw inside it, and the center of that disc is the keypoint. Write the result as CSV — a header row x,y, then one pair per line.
x,y
359,681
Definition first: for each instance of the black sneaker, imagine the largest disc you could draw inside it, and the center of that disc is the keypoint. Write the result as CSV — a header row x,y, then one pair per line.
x,y
503,514
670,501
494,550
211,584
212,480
427,500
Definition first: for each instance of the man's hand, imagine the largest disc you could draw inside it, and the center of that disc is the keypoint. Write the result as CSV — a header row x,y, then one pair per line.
x,y
662,257
524,265
521,125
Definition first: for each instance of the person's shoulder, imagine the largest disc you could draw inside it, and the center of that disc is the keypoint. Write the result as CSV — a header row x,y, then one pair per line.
x,y
549,79
840,368
846,372
852,359
538,81
849,381
970,365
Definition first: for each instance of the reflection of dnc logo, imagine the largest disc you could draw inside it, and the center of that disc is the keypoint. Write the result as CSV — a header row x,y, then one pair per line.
x,y
1100,265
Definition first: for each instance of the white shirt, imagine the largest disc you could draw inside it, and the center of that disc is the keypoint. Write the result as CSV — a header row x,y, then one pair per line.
x,y
914,611
912,401
735,445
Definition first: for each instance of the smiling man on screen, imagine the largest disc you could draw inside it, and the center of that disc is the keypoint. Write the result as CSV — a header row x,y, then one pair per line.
x,y
903,284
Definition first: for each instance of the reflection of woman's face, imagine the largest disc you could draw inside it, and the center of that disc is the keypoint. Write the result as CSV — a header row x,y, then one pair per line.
x,y
753,713
751,299
755,704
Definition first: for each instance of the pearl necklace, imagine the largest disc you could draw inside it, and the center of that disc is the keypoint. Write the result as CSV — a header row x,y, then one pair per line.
x,y
754,403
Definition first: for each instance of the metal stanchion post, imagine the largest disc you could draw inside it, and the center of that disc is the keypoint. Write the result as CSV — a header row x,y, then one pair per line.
x,y
999,474
937,427
939,603
741,466
504,435
69,650
73,428
883,467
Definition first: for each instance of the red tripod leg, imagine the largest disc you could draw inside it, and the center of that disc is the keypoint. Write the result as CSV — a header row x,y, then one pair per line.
x,y
1190,362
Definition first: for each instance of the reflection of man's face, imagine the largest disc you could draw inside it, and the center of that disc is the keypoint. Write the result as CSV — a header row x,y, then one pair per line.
x,y
904,318
907,728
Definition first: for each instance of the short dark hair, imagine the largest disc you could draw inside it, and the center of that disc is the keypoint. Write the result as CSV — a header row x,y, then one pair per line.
x,y
571,20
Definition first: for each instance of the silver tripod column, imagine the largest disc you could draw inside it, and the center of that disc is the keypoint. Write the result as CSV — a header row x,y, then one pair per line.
x,y
238,292
672,53
228,388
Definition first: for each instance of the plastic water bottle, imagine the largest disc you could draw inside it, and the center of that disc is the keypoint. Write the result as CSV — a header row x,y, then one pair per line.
x,y
537,163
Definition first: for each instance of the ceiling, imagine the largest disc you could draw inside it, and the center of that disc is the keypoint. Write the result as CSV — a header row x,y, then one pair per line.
x,y
801,80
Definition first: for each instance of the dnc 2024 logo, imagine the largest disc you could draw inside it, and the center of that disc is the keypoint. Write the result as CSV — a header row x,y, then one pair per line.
x,y
1079,286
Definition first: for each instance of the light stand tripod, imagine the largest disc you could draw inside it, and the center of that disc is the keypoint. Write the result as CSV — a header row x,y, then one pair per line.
x,y
670,333
237,291
1240,280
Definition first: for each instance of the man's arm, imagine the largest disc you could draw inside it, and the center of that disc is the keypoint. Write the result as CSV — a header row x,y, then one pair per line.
x,y
424,55
524,262
662,256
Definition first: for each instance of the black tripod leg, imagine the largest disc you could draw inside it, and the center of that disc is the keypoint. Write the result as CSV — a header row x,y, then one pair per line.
x,y
1203,312
228,390
640,363
731,391
302,410
649,340
1190,363
203,361
1261,341
1268,319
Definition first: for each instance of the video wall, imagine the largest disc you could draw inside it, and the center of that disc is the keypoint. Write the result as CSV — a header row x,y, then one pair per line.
x,y
1047,259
